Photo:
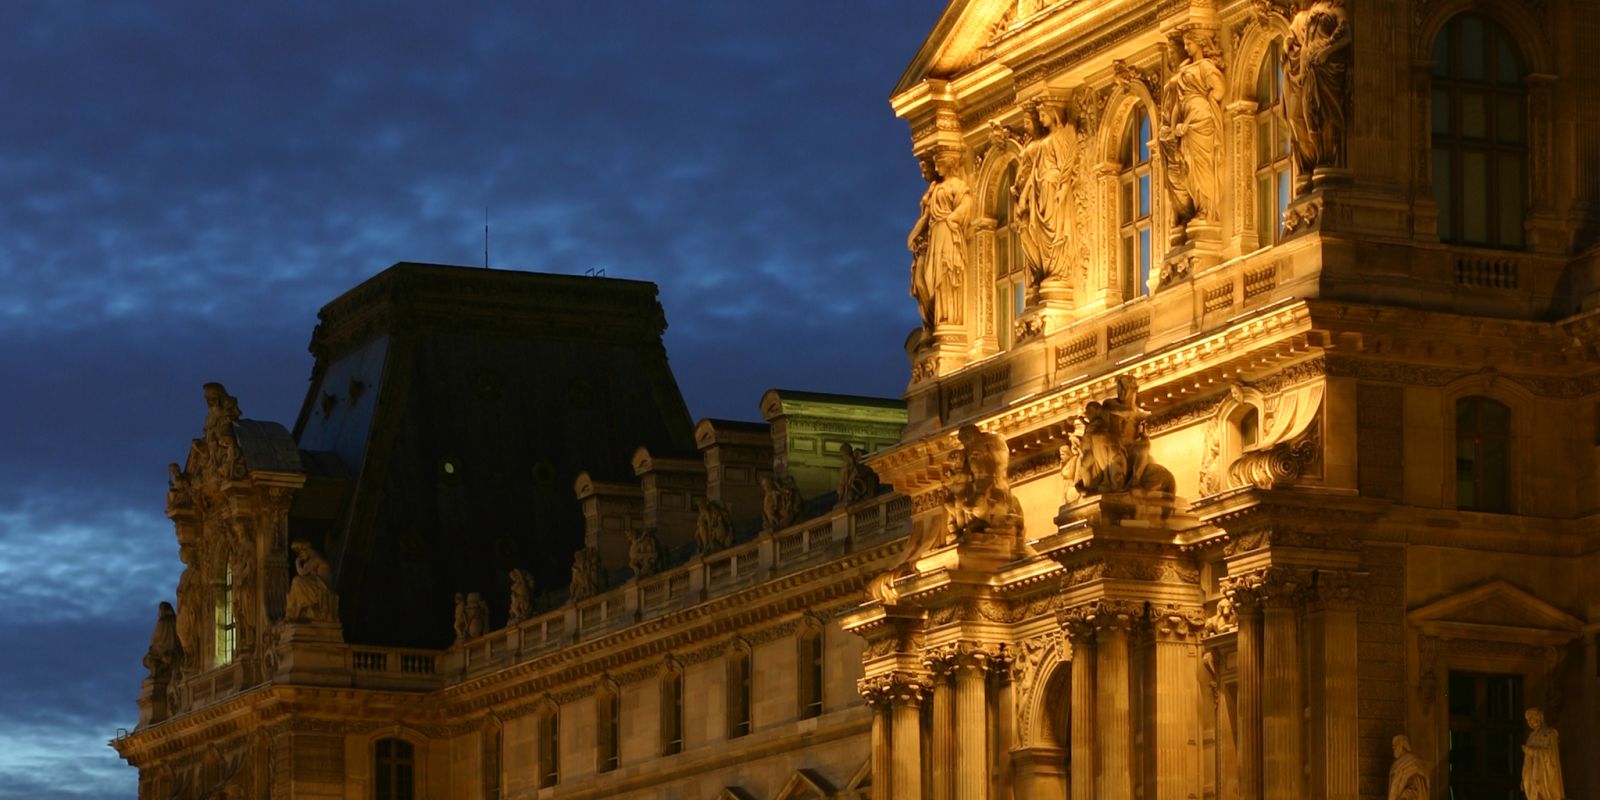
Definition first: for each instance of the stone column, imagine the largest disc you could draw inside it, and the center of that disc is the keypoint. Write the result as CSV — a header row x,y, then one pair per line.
x,y
1247,608
1177,702
1082,713
1003,713
944,727
1334,759
972,725
1281,690
906,738
876,693
1114,621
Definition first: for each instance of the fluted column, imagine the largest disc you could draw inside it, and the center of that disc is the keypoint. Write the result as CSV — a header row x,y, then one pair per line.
x,y
875,692
1281,689
1335,734
1177,701
1113,622
1082,712
906,739
944,727
1247,608
972,726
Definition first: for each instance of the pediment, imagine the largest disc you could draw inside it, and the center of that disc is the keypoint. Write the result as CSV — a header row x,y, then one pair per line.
x,y
803,785
731,793
1496,611
963,30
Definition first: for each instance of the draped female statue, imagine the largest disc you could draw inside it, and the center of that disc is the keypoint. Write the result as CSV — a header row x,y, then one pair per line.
x,y
310,597
948,213
1191,130
1046,178
1315,69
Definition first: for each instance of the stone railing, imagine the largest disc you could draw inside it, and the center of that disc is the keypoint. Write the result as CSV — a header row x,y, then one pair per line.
x,y
702,578
393,668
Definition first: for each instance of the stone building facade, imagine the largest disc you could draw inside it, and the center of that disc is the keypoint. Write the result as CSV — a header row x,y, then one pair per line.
x,y
1252,424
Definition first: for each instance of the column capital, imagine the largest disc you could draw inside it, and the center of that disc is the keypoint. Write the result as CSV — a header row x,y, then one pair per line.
x,y
1099,616
1177,623
963,656
892,689
1336,590
1273,587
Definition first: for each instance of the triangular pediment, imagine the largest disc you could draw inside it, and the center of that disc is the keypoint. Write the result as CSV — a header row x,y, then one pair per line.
x,y
1497,610
963,30
731,793
803,785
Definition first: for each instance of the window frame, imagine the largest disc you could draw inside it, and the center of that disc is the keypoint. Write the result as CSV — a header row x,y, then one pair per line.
x,y
1010,269
1136,204
1493,443
405,759
740,682
1273,165
1451,145
548,761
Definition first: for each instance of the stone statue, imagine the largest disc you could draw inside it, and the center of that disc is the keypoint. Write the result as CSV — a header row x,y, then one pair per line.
x,y
1541,760
1316,65
190,600
924,279
165,652
1044,202
521,596
1190,133
857,481
588,576
713,529
1408,775
940,233
310,597
477,615
1109,450
222,411
977,491
644,552
780,503
178,488
461,618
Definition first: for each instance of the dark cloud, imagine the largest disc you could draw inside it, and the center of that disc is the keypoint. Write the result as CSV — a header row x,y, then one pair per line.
x,y
188,182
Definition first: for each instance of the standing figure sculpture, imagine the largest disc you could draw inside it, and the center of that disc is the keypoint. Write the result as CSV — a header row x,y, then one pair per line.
x,y
190,600
477,612
1408,775
460,618
1045,203
165,653
521,596
924,278
1541,760
1190,135
1316,72
310,598
940,235
857,481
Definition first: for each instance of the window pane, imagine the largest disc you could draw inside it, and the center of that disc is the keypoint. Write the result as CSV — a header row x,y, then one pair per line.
x,y
1441,54
1474,115
1507,71
1441,111
1127,201
1018,299
1144,195
1472,48
1002,317
1264,205
1144,260
1474,197
1494,419
1443,193
1264,150
1283,196
1127,257
1143,144
1508,118
1512,205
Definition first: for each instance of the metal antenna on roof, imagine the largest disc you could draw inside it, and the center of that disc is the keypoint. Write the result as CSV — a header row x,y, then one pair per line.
x,y
485,237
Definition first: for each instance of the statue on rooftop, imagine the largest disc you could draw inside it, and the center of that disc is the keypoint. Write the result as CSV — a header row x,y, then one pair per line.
x,y
780,503
644,552
165,653
521,596
477,613
310,598
713,529
460,618
857,481
1408,776
178,488
588,575
190,600
1541,760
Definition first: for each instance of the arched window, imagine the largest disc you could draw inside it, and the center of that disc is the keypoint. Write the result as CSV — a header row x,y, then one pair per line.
x,y
672,713
223,638
738,684
1009,297
809,658
608,728
1134,204
1480,150
549,746
1272,147
393,770
1483,455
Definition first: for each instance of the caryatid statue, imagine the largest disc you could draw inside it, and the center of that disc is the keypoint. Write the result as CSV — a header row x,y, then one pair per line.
x,y
1045,202
1316,67
1190,134
1541,760
938,243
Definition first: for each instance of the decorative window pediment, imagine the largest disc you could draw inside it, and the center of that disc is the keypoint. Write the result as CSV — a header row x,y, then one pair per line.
x,y
803,785
1499,612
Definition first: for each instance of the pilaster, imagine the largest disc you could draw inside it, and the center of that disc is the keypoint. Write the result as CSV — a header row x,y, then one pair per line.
x,y
1084,733
1176,631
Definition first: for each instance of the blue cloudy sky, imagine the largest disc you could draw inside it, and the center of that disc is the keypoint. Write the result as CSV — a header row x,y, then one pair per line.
x,y
183,184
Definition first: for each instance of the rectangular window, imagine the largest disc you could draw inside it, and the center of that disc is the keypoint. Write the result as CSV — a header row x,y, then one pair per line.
x,y
1486,730
739,695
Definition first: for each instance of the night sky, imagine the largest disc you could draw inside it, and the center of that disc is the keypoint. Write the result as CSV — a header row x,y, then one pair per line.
x,y
183,185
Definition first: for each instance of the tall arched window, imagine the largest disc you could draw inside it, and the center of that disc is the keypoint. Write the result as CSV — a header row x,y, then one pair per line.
x,y
809,657
1009,298
1480,150
672,712
393,770
549,746
608,728
738,685
223,638
1272,147
1134,204
1483,455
